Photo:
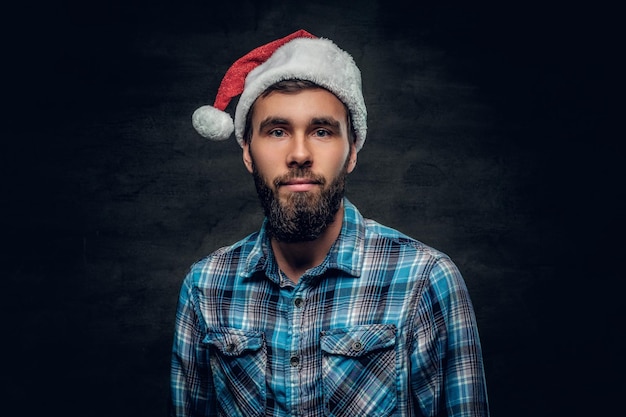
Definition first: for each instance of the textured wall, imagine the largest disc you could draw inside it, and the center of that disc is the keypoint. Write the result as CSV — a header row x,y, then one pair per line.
x,y
489,139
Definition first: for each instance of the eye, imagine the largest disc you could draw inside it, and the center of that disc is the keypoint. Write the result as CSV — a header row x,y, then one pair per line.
x,y
277,133
322,133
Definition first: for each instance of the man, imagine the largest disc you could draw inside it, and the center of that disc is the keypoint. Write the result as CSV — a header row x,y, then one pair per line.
x,y
321,312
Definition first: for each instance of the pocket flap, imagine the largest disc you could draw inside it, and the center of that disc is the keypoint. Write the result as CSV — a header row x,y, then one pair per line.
x,y
358,340
233,342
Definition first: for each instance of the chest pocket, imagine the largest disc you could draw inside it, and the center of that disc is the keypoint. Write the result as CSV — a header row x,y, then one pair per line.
x,y
238,364
359,371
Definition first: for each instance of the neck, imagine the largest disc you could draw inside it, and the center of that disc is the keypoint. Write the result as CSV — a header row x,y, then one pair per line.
x,y
295,258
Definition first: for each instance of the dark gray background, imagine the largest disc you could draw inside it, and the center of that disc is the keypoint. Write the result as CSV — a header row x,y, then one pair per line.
x,y
489,139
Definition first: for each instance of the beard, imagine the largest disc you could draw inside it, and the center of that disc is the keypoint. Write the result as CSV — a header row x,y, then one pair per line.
x,y
303,216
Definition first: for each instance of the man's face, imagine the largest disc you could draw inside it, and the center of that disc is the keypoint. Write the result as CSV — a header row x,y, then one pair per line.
x,y
299,155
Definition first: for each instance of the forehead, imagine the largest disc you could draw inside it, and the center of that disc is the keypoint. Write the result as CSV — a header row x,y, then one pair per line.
x,y
308,103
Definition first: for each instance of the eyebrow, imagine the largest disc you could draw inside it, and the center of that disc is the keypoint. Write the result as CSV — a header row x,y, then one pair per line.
x,y
272,121
316,121
326,121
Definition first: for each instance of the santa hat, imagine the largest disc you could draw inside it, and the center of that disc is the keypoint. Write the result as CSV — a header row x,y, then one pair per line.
x,y
297,56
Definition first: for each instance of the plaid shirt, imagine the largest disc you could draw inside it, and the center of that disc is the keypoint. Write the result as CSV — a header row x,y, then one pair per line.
x,y
383,327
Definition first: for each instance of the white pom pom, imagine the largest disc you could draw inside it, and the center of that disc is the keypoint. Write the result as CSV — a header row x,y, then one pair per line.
x,y
212,123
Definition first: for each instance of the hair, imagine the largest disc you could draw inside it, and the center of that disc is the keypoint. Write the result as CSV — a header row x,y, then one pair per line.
x,y
290,87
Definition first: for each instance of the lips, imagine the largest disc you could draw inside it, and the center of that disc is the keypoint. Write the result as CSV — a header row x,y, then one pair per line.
x,y
300,181
299,184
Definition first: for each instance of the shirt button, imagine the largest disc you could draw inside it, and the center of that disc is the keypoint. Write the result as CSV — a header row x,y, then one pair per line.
x,y
294,361
298,302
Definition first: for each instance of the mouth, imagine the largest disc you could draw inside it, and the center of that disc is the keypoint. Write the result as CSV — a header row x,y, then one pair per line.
x,y
299,184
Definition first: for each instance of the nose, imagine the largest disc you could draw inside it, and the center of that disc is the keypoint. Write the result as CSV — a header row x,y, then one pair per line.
x,y
299,152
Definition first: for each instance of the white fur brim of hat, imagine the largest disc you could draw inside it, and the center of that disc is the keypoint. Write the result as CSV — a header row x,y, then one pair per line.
x,y
317,60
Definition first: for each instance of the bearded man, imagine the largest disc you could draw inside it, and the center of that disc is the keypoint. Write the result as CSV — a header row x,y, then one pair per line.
x,y
321,312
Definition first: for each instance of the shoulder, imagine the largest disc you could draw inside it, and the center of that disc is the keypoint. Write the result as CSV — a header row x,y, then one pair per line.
x,y
362,230
407,256
225,261
377,246
379,234
443,282
422,258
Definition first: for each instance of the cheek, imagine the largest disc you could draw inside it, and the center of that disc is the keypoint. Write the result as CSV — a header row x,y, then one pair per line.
x,y
266,162
266,165
343,161
261,156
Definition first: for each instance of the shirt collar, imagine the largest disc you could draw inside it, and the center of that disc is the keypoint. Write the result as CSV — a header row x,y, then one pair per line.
x,y
345,255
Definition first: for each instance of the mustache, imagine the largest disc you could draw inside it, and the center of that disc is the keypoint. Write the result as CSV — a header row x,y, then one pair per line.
x,y
300,173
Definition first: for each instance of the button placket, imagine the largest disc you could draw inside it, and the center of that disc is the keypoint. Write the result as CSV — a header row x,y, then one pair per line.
x,y
298,303
298,330
294,361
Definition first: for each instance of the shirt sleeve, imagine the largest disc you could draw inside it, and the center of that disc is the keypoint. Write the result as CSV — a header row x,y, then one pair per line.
x,y
191,385
447,372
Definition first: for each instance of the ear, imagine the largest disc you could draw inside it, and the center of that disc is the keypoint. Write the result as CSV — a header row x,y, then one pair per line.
x,y
352,161
247,159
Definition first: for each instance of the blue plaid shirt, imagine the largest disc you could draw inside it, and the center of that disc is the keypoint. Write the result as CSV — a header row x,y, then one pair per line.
x,y
383,327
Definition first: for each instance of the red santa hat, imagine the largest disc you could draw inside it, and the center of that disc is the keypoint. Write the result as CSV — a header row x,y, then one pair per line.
x,y
297,56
